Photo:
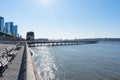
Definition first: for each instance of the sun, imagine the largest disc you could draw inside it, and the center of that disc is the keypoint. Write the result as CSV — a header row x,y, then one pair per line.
x,y
45,2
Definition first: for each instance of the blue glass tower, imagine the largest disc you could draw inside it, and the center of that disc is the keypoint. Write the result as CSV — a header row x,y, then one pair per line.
x,y
9,28
15,30
1,24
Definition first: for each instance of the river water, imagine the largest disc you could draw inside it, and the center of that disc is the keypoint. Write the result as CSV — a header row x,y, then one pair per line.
x,y
99,61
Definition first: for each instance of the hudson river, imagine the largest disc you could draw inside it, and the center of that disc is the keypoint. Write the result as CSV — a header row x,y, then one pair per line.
x,y
99,61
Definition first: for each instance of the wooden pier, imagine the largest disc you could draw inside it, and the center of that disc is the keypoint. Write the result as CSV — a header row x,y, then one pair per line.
x,y
59,42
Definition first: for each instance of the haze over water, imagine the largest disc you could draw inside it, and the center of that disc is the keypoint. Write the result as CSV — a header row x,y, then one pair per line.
x,y
79,62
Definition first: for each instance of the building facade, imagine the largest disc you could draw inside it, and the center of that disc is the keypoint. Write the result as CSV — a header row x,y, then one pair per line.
x,y
15,30
1,24
11,29
7,26
30,36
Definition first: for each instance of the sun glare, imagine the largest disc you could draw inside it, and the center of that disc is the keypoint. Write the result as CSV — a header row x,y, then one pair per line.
x,y
45,2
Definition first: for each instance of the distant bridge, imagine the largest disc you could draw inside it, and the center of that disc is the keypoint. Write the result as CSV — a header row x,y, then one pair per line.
x,y
59,42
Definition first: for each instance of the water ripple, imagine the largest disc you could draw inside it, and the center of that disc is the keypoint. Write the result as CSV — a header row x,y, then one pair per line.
x,y
45,63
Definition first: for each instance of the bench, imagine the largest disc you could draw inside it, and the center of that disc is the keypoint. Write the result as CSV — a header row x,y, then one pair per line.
x,y
18,46
4,59
6,56
12,55
2,52
3,65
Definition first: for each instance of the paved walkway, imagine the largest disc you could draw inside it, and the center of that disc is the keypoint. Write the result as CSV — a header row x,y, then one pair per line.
x,y
2,46
12,72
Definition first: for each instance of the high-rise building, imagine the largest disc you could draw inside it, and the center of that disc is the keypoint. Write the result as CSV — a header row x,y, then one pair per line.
x,y
15,30
1,24
9,28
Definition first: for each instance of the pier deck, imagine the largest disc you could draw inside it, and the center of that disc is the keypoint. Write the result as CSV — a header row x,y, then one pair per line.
x,y
60,42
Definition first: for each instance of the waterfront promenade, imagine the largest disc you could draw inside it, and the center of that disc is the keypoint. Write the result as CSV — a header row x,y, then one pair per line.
x,y
12,72
21,67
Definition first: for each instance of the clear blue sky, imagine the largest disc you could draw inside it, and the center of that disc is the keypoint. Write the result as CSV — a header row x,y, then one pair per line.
x,y
64,18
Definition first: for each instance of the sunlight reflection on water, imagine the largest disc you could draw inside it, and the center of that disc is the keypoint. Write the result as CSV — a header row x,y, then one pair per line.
x,y
45,63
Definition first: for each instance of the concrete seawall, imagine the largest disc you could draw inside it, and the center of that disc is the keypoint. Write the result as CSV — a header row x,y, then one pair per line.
x,y
29,66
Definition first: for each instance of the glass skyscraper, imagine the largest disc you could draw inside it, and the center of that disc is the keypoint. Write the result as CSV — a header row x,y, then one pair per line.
x,y
15,30
9,28
1,24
